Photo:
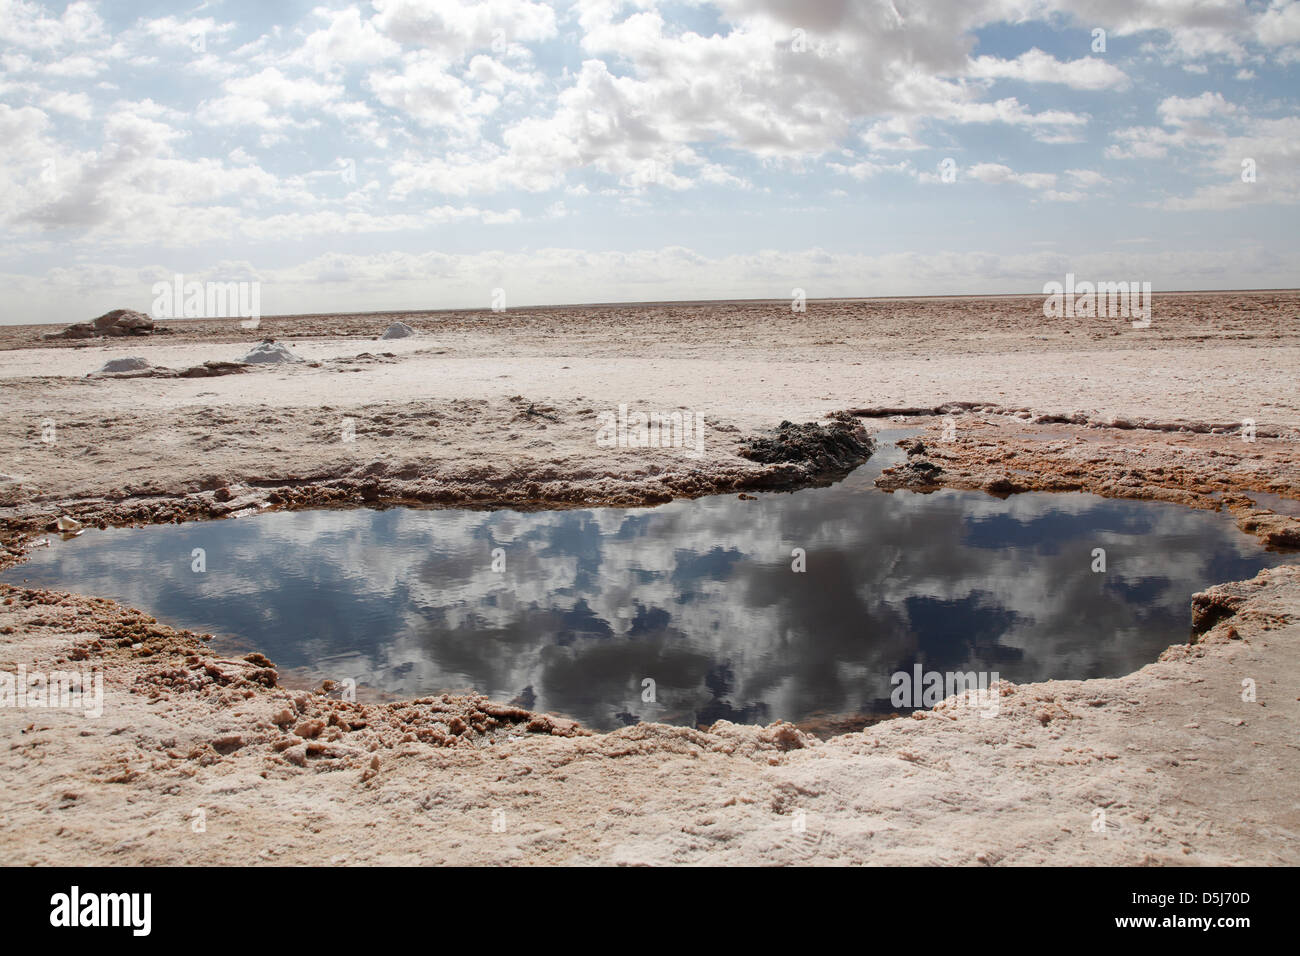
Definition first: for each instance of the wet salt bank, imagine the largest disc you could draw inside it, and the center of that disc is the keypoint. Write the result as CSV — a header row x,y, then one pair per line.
x,y
685,613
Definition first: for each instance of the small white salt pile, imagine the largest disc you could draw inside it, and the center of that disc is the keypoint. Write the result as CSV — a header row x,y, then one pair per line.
x,y
398,330
269,351
131,364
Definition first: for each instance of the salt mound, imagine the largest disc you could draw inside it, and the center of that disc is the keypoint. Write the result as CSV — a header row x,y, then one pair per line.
x,y
398,330
131,364
269,351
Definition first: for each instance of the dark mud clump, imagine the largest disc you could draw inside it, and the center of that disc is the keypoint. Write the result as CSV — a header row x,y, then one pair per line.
x,y
837,447
917,473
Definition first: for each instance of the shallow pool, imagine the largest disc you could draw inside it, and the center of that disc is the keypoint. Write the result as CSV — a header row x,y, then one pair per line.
x,y
684,613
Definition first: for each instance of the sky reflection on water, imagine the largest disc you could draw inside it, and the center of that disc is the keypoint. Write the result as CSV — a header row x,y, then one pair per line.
x,y
697,595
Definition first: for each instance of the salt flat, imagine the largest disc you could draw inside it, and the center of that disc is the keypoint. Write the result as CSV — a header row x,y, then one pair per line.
x,y
487,407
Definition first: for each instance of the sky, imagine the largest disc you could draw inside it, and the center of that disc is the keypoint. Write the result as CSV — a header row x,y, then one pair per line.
x,y
421,154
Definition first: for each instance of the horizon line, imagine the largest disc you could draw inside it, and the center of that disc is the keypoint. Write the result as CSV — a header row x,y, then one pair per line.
x,y
653,302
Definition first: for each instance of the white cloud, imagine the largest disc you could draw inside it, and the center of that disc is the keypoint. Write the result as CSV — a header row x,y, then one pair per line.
x,y
898,133
1035,66
1272,148
356,222
497,78
1220,139
131,136
266,99
346,40
997,173
134,188
1087,177
1178,111
70,104
76,67
867,170
431,95
450,31
192,34
27,24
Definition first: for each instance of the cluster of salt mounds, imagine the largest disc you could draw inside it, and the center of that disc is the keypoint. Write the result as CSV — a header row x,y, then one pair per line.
x,y
398,330
269,351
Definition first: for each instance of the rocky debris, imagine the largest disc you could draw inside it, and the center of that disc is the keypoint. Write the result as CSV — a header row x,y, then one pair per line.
x,y
533,411
398,330
918,472
131,363
1195,467
227,743
310,729
269,350
212,368
119,322
208,369
364,358
1267,599
68,524
1213,605
835,447
1281,532
235,499
750,739
1090,419
1001,486
544,724
122,322
913,411
915,473
79,330
224,671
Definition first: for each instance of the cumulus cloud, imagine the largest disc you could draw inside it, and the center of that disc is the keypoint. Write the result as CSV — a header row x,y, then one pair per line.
x,y
997,173
1035,66
346,40
268,99
1179,111
31,25
431,95
451,30
70,104
457,120
1243,159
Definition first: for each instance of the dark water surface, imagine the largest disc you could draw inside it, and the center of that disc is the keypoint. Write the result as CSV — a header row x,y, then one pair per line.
x,y
698,596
